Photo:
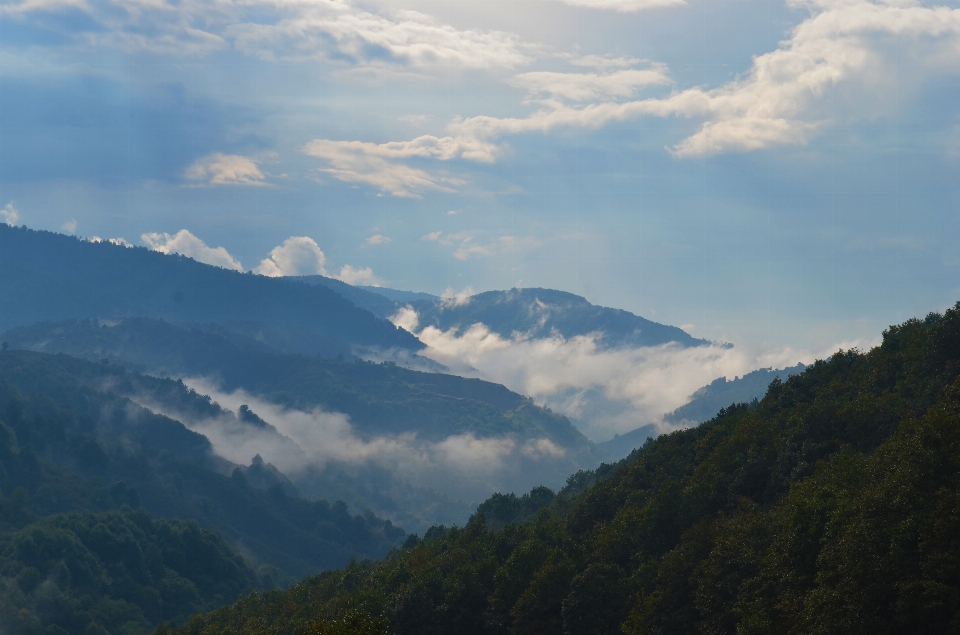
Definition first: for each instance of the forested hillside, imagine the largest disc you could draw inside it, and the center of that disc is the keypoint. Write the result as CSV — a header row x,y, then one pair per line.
x,y
381,400
830,506
47,276
70,442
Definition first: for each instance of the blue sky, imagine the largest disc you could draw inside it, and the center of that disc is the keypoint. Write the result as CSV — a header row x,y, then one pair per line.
x,y
767,173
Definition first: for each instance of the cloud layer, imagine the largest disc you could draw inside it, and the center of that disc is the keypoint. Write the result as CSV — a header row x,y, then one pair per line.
x,y
607,391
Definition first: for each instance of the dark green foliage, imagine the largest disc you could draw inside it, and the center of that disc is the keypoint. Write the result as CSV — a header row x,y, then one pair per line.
x,y
47,276
68,446
545,312
123,572
831,506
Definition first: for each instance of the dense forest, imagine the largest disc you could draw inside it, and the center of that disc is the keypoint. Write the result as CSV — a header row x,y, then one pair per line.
x,y
832,505
86,477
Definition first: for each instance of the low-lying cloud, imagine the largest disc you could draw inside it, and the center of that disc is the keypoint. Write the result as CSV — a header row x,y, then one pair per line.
x,y
463,466
186,244
606,391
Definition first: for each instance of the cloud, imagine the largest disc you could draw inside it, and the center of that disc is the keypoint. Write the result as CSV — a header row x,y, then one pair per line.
x,y
330,31
302,256
9,214
225,169
450,299
607,390
378,239
120,242
592,86
296,256
432,237
355,275
186,244
462,465
625,6
836,66
372,164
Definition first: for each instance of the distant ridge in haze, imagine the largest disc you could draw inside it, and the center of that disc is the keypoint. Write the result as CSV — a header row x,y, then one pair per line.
x,y
538,313
48,276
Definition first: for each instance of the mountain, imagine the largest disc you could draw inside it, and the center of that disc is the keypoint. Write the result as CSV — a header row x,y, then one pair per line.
x,y
722,392
470,437
538,313
113,572
829,506
47,276
74,443
704,404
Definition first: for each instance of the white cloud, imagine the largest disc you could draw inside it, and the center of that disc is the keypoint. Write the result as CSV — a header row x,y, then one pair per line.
x,y
186,244
225,169
120,242
360,276
302,256
591,86
9,214
372,164
70,226
468,247
406,318
432,237
296,256
332,31
450,298
625,6
378,239
609,390
837,65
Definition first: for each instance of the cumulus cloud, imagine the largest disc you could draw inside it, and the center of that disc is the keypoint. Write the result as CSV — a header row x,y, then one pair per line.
x,y
607,391
186,244
302,256
332,31
432,237
70,226
9,214
296,256
378,239
225,169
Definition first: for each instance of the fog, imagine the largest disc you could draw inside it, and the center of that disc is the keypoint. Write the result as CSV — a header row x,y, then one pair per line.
x,y
604,391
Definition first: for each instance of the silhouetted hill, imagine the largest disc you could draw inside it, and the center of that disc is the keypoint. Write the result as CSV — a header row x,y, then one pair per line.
x,y
47,276
540,313
622,445
829,506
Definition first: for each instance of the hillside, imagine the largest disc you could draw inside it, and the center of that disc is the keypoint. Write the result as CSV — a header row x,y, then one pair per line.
x,y
537,313
383,402
830,506
47,276
72,442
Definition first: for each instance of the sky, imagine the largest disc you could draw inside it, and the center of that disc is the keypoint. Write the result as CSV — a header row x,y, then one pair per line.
x,y
766,173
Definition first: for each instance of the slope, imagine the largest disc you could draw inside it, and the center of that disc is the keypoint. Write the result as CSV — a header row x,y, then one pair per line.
x,y
538,313
830,506
47,276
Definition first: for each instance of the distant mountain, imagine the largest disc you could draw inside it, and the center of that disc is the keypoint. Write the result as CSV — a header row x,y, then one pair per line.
x,y
47,276
704,404
370,298
538,313
444,413
402,297
622,445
